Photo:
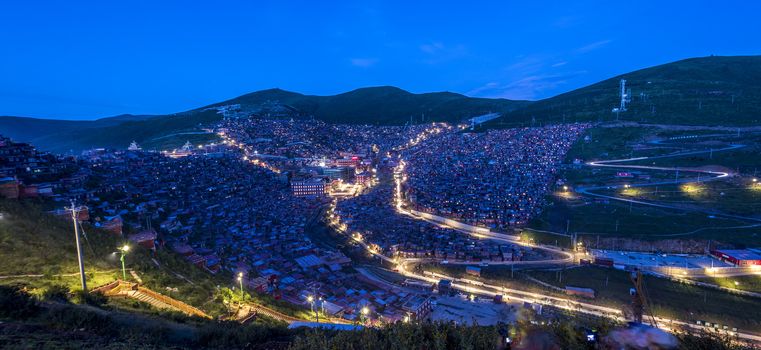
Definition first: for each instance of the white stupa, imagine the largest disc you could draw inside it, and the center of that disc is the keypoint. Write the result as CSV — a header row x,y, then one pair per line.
x,y
134,147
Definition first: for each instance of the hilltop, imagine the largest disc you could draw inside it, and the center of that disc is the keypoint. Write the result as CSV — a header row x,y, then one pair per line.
x,y
697,91
376,105
385,105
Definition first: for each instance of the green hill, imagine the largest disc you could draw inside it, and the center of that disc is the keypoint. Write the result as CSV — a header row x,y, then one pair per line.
x,y
697,91
376,105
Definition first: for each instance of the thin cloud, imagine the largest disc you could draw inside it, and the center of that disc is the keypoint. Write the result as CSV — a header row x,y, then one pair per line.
x,y
432,48
438,52
559,64
593,46
363,62
529,87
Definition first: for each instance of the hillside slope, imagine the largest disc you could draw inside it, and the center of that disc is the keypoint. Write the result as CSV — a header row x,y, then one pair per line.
x,y
374,105
697,91
33,242
377,105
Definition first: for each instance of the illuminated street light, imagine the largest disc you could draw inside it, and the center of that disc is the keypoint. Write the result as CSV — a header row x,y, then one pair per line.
x,y
123,250
310,299
737,283
240,280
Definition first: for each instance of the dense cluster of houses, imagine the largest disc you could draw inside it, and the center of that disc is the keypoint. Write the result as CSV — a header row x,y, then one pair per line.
x,y
313,139
373,216
220,208
26,172
497,178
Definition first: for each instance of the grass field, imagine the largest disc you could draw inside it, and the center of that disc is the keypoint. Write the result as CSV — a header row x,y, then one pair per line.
x,y
745,160
618,219
608,143
747,283
735,196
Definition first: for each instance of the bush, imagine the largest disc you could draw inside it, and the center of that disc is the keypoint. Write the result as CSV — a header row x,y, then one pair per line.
x,y
234,335
75,317
16,304
56,292
94,299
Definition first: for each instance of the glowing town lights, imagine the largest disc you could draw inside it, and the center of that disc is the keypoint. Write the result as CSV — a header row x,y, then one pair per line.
x,y
365,310
310,298
737,283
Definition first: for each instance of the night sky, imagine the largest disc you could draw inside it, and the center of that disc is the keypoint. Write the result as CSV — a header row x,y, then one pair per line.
x,y
84,60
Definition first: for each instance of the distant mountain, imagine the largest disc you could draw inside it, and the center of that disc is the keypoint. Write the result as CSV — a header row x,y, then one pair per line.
x,y
386,105
376,105
697,91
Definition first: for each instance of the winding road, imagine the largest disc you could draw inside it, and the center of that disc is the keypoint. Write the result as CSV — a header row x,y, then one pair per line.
x,y
711,176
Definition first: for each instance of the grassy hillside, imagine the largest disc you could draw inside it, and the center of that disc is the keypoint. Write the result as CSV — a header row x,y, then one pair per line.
x,y
64,136
377,105
381,105
38,251
697,91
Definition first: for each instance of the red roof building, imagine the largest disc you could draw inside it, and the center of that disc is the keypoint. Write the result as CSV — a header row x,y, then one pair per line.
x,y
145,238
739,257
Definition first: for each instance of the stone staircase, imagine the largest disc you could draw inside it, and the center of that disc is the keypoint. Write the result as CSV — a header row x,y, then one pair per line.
x,y
134,291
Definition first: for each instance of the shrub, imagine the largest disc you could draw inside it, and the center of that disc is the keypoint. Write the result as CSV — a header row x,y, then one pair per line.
x,y
94,299
16,304
56,292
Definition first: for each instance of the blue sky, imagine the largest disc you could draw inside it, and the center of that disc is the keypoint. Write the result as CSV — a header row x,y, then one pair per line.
x,y
83,60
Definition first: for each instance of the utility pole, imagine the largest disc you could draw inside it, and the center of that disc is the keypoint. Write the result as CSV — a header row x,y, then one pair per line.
x,y
74,218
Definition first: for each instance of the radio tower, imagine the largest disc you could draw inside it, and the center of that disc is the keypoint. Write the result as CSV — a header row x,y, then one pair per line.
x,y
625,98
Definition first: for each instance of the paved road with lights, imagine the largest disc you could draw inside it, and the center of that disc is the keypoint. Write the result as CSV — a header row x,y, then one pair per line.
x,y
476,287
510,294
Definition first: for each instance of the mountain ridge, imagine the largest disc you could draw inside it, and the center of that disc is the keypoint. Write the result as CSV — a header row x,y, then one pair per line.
x,y
713,90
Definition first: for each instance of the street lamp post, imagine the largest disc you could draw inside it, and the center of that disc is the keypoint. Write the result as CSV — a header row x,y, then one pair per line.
x,y
321,308
365,311
240,281
310,299
123,250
